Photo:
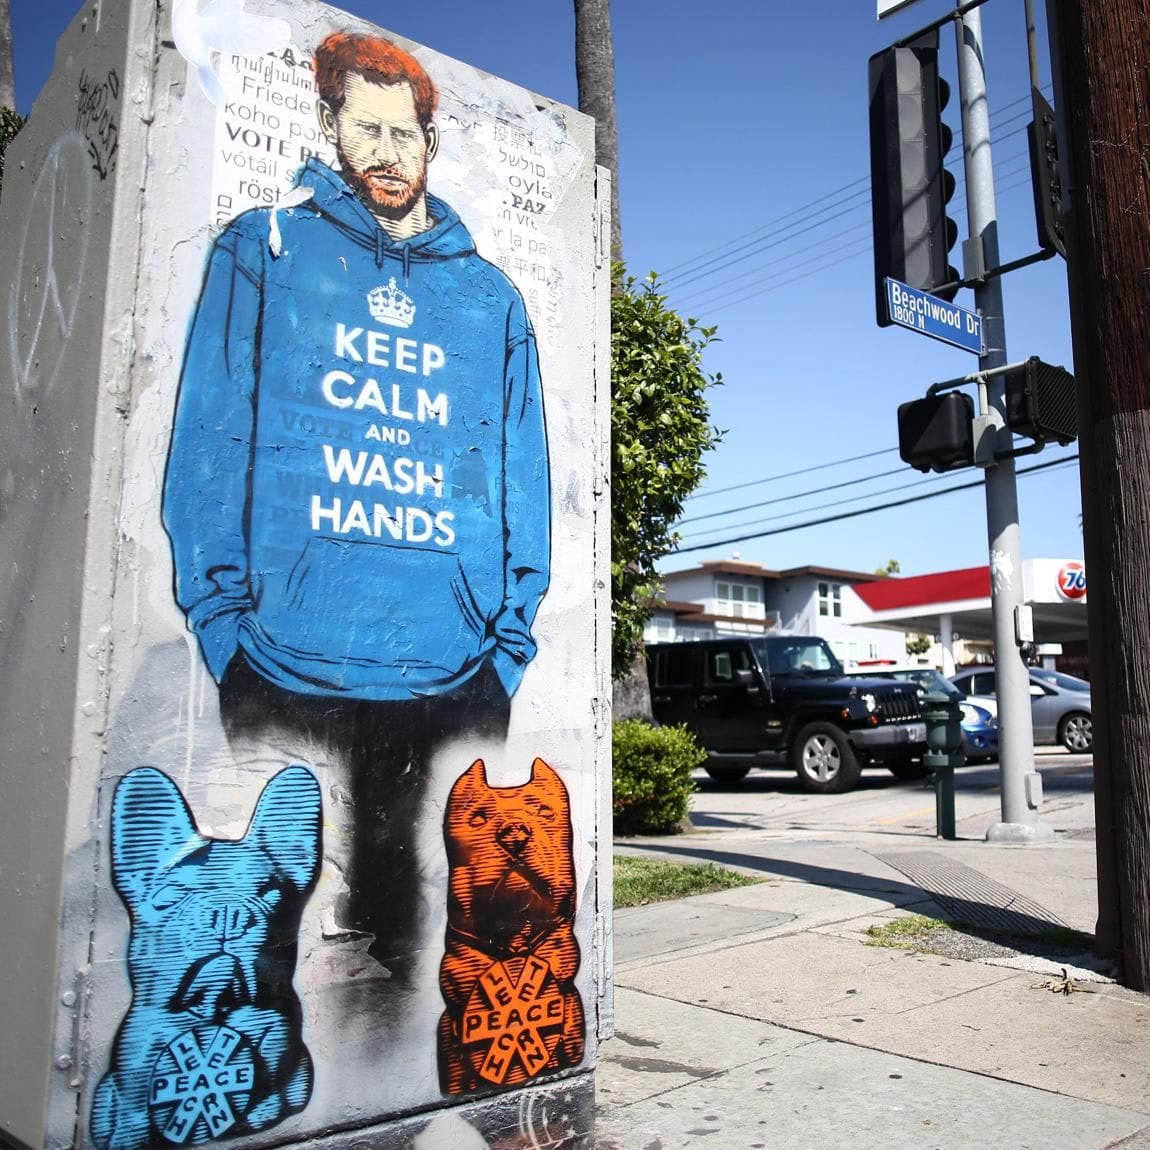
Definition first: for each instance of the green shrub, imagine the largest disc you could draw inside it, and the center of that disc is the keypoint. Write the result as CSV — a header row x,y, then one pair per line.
x,y
652,776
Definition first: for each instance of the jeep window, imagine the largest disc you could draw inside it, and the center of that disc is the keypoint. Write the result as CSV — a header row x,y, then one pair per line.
x,y
801,656
724,663
926,679
673,667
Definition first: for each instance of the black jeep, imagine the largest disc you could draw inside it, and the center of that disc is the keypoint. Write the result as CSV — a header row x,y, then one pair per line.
x,y
785,699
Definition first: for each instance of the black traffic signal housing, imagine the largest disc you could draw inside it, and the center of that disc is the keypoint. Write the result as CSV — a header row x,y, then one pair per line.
x,y
936,433
1042,402
910,187
1045,176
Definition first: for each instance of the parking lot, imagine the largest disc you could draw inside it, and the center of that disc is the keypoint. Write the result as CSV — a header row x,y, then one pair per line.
x,y
773,800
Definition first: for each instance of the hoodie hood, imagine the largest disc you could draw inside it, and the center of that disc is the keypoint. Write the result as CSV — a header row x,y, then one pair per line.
x,y
332,196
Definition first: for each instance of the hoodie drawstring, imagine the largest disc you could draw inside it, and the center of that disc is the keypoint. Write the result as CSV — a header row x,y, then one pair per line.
x,y
291,199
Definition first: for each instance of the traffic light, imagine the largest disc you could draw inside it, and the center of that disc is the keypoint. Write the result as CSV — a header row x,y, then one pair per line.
x,y
935,433
910,187
1042,401
1045,176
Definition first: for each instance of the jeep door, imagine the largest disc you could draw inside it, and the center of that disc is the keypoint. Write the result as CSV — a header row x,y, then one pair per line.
x,y
732,703
674,675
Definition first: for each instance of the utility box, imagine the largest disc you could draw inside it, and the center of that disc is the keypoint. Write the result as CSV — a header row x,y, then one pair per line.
x,y
304,629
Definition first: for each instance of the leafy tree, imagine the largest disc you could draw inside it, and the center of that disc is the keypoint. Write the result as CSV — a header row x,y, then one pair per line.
x,y
660,432
10,124
891,568
917,644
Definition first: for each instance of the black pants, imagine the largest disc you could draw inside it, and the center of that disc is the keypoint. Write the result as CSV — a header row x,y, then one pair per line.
x,y
387,749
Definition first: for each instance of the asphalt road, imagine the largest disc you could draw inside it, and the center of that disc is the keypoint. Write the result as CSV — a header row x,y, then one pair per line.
x,y
772,799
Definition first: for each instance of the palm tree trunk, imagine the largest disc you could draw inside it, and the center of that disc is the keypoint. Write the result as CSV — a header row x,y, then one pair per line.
x,y
7,81
595,75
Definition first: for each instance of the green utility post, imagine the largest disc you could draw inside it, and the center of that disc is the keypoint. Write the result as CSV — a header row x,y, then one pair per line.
x,y
944,753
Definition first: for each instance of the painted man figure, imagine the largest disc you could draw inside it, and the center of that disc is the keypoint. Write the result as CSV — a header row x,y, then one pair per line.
x,y
357,485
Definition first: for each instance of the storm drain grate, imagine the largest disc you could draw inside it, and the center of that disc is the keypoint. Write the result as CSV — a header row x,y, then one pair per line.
x,y
968,896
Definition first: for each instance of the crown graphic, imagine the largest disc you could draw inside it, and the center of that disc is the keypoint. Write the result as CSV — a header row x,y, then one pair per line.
x,y
390,305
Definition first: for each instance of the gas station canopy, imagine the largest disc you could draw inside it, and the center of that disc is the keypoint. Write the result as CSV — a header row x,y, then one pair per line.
x,y
959,601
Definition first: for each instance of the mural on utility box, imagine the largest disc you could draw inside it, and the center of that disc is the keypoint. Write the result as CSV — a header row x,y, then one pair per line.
x,y
357,484
212,1043
354,532
511,954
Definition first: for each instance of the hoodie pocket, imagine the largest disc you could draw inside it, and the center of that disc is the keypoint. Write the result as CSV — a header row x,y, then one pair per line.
x,y
371,603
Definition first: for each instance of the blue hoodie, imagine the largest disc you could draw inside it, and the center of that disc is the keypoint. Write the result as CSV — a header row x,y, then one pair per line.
x,y
357,490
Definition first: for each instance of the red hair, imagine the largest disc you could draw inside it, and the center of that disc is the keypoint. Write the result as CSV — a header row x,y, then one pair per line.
x,y
378,61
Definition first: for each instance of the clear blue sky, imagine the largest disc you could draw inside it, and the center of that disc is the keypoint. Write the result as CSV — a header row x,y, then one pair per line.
x,y
743,171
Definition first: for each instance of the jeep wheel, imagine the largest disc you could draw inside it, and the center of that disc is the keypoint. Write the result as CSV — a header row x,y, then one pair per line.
x,y
824,760
727,774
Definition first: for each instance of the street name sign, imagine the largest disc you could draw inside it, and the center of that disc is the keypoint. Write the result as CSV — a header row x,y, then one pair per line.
x,y
925,313
886,7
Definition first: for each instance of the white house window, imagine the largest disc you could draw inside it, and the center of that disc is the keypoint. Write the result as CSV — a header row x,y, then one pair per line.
x,y
739,599
830,599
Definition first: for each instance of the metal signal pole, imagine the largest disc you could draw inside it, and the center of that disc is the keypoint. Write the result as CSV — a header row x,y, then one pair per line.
x,y
1021,784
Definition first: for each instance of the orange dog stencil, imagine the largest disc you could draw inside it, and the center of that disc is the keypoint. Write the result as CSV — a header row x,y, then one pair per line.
x,y
507,975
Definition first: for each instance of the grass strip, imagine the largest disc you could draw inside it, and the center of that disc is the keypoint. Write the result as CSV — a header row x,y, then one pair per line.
x,y
642,880
914,932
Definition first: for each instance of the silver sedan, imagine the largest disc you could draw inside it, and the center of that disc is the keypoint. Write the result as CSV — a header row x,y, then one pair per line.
x,y
1060,704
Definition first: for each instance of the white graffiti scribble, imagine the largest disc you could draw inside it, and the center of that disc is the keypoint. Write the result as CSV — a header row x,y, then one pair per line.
x,y
1001,571
45,291
203,29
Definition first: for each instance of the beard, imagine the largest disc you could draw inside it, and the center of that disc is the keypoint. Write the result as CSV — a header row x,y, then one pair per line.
x,y
393,201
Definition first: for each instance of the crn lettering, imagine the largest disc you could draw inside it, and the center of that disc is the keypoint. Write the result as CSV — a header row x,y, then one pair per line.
x,y
337,386
412,524
405,355
433,358
384,434
428,409
365,469
375,348
328,387
345,342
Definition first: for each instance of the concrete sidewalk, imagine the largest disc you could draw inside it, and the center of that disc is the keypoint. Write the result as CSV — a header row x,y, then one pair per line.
x,y
759,1017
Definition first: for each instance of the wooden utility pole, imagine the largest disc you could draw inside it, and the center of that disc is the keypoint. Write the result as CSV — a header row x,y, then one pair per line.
x,y
1105,99
595,75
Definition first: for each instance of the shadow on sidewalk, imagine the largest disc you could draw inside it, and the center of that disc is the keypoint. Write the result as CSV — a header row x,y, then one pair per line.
x,y
956,893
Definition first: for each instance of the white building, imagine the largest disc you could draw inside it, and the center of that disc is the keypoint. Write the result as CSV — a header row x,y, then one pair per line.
x,y
867,617
732,597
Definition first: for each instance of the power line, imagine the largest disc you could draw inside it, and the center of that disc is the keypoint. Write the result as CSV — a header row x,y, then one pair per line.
x,y
823,506
791,474
864,510
796,495
719,302
717,293
766,244
817,507
674,270
806,211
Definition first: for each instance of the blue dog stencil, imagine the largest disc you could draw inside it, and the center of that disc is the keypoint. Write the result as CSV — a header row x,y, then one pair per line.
x,y
212,1043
